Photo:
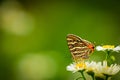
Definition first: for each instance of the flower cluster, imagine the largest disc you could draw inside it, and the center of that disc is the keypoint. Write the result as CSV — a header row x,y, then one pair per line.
x,y
101,69
97,69
108,48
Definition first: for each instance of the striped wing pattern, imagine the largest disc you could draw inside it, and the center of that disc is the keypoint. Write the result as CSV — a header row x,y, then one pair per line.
x,y
78,47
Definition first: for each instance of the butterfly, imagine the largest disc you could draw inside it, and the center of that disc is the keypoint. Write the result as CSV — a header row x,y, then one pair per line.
x,y
79,48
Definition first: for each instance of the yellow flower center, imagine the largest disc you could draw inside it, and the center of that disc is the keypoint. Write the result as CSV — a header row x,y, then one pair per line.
x,y
80,65
108,46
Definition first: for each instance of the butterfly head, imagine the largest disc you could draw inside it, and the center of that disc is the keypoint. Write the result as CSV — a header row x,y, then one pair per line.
x,y
90,46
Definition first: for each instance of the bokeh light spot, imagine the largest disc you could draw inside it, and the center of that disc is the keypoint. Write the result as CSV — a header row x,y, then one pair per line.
x,y
37,67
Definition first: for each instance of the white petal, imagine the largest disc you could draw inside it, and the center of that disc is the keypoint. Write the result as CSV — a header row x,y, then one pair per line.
x,y
71,67
99,48
116,49
104,64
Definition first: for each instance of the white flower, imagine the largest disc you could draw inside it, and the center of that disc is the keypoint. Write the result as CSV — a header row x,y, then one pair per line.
x,y
76,67
94,67
110,70
108,47
103,68
89,66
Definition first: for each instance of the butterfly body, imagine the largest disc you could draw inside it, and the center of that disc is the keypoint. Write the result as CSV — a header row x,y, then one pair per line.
x,y
79,48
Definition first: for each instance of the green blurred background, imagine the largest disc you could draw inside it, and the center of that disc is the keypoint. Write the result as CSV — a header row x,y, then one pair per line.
x,y
33,35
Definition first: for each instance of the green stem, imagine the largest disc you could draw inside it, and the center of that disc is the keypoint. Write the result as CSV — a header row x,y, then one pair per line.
x,y
107,55
93,77
106,77
92,74
83,75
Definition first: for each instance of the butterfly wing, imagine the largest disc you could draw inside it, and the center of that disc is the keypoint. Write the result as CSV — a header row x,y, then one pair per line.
x,y
79,48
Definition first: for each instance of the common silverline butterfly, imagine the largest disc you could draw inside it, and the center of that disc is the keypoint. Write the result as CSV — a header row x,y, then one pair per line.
x,y
79,48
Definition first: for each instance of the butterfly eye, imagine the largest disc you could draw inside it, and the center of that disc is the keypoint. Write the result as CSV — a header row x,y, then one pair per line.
x,y
93,47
